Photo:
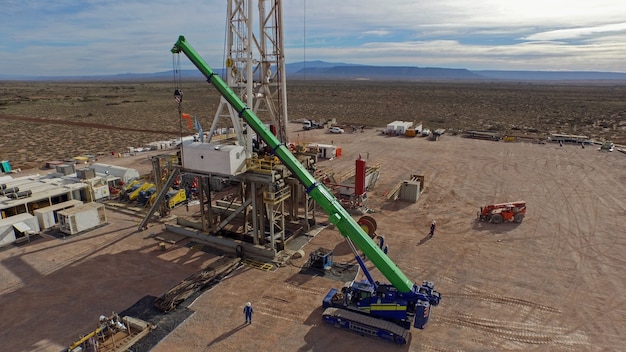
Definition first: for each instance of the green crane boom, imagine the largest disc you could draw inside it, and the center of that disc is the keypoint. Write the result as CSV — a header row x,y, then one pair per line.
x,y
327,201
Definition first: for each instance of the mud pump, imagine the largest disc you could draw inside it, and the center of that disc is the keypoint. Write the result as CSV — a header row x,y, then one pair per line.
x,y
366,307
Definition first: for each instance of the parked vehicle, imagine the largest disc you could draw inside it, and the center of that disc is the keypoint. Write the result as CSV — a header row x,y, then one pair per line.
x,y
335,130
497,213
607,146
310,125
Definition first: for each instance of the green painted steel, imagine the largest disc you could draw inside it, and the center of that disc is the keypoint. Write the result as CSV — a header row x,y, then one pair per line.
x,y
336,213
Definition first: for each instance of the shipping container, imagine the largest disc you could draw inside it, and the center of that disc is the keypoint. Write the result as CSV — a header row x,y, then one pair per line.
x,y
81,218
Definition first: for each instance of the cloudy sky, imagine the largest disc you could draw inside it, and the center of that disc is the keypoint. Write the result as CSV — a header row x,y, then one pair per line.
x,y
91,37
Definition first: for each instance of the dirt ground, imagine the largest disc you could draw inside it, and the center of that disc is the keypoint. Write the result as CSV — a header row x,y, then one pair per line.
x,y
555,282
44,121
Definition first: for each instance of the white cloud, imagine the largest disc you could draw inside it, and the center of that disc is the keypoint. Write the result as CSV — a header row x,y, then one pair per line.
x,y
573,33
71,37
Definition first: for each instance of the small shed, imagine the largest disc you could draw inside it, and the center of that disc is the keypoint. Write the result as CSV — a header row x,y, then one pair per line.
x,y
410,191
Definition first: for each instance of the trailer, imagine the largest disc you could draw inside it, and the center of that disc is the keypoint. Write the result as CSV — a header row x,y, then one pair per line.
x,y
398,128
81,218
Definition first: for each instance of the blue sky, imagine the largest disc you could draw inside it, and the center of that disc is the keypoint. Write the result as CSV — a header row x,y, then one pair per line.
x,y
72,37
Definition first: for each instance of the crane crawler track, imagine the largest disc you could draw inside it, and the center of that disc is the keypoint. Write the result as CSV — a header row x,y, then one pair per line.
x,y
365,325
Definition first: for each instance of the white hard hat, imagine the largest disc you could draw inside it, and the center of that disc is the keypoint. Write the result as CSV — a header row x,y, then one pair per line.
x,y
434,222
248,304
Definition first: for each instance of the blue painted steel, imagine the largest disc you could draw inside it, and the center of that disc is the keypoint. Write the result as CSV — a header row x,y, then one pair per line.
x,y
422,314
327,302
365,271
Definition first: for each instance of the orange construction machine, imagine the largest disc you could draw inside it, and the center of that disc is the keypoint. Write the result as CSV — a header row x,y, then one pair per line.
x,y
496,213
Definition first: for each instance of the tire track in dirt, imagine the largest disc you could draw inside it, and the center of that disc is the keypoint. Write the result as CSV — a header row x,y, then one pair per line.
x,y
531,329
577,244
522,333
85,124
456,191
495,298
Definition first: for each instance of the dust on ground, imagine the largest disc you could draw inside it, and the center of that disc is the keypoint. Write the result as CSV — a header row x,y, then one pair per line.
x,y
552,283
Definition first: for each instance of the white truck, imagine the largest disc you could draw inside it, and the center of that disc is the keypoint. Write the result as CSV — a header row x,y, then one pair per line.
x,y
310,125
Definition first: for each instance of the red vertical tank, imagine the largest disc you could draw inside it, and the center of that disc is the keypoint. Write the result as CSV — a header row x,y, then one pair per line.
x,y
359,177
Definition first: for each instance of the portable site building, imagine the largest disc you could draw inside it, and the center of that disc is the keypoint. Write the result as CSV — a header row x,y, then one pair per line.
x,y
398,128
125,174
410,191
38,192
47,217
402,126
17,227
81,218
391,128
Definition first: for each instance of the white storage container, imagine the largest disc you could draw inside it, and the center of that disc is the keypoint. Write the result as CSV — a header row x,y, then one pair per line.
x,y
47,217
221,159
81,218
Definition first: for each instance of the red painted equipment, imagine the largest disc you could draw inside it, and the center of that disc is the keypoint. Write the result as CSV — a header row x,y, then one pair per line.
x,y
496,213
359,177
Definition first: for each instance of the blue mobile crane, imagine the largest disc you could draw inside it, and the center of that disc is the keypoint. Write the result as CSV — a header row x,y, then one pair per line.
x,y
366,307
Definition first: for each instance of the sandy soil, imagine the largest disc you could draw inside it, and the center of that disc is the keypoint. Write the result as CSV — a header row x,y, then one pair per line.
x,y
552,283
47,121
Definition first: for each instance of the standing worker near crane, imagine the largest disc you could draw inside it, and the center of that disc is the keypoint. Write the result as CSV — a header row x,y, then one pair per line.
x,y
247,311
432,229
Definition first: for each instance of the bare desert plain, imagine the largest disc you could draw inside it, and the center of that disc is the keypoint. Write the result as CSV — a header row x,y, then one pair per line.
x,y
43,121
555,282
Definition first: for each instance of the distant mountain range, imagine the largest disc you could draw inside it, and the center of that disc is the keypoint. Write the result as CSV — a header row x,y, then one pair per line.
x,y
321,70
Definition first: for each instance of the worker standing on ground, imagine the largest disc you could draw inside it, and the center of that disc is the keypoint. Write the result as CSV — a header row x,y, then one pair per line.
x,y
382,242
247,311
432,229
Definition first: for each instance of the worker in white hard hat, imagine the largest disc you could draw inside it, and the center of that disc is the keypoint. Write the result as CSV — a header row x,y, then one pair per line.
x,y
432,228
247,311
